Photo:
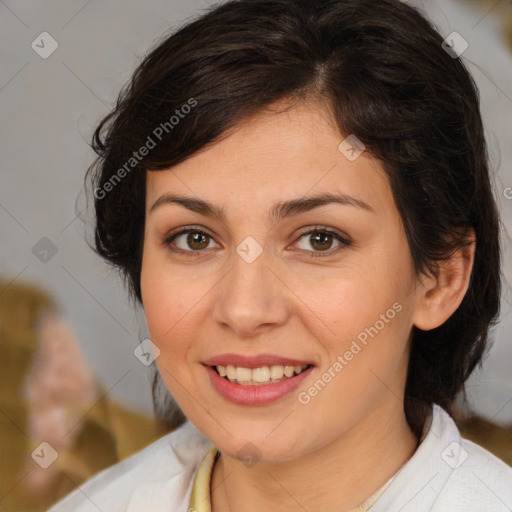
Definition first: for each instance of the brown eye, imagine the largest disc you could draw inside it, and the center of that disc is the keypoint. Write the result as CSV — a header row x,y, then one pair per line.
x,y
322,240
197,241
188,240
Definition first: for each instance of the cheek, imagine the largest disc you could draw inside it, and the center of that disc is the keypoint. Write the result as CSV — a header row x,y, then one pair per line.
x,y
176,308
341,304
165,300
169,329
165,291
361,314
169,315
364,357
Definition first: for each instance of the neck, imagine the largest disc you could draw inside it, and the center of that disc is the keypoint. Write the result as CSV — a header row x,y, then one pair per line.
x,y
338,477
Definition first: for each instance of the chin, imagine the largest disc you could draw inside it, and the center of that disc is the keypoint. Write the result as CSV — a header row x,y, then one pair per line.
x,y
262,443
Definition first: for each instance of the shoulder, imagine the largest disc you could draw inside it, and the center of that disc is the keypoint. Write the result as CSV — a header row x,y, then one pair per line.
x,y
449,473
161,472
480,481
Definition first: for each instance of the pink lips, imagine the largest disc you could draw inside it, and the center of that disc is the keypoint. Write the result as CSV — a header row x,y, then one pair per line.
x,y
253,361
261,394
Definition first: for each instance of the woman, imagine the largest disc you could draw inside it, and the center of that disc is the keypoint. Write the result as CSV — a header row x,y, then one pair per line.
x,y
298,195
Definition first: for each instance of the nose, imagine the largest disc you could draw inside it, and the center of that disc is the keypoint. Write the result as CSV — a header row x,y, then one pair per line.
x,y
251,298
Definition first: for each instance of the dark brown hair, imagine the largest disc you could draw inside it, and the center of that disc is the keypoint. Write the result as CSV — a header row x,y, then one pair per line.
x,y
382,70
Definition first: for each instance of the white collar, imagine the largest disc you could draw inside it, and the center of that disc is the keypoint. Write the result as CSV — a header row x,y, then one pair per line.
x,y
446,473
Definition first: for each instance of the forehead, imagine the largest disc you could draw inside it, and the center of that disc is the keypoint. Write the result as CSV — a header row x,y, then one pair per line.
x,y
274,156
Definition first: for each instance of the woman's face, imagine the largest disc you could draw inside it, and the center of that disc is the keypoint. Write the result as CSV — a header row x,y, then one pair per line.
x,y
259,290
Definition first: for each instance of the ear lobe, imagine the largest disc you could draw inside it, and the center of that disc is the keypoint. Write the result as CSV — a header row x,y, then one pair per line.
x,y
441,294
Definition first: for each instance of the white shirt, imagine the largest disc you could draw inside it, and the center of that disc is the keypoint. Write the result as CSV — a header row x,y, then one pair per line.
x,y
445,474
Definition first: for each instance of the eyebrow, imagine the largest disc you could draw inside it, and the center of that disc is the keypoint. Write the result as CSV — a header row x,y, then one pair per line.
x,y
279,211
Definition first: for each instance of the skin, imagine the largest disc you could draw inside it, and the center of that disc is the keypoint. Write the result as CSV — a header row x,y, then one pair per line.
x,y
342,446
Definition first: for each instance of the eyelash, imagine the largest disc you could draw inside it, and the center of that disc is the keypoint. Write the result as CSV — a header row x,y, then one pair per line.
x,y
317,229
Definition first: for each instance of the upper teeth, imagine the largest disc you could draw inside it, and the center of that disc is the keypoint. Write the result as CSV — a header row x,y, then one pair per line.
x,y
261,374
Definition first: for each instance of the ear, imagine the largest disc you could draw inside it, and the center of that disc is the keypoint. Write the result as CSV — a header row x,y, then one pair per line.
x,y
441,294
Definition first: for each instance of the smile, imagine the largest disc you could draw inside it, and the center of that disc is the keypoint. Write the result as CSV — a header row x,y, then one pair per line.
x,y
258,376
257,380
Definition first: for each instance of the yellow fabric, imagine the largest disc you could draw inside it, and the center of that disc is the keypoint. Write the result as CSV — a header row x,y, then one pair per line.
x,y
200,498
107,433
372,499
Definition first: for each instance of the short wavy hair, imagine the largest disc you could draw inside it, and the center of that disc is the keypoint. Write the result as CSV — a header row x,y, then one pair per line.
x,y
386,76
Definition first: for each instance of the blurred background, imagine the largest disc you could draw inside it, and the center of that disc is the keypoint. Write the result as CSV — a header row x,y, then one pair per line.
x,y
74,396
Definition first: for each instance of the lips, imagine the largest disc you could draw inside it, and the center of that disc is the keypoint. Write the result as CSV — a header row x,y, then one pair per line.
x,y
255,395
254,361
